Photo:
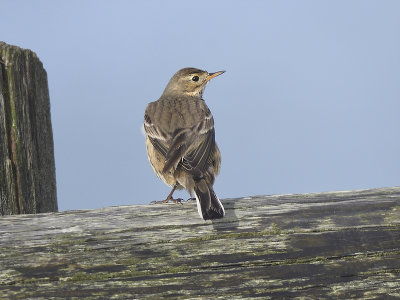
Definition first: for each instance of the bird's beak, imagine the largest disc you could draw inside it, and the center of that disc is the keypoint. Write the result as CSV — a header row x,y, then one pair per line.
x,y
212,75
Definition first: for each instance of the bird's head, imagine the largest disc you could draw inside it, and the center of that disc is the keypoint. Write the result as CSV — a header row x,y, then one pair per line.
x,y
190,82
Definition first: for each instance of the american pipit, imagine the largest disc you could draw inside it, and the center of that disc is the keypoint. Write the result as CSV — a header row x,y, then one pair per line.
x,y
180,140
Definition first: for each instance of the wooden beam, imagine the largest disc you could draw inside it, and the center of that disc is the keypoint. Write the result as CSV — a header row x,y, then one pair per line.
x,y
27,168
327,245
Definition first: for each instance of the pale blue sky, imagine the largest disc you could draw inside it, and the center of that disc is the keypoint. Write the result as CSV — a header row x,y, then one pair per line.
x,y
310,101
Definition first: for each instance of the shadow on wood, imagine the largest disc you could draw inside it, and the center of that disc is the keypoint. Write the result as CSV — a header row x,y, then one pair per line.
x,y
326,245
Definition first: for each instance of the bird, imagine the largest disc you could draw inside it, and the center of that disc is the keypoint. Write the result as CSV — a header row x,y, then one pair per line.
x,y
180,140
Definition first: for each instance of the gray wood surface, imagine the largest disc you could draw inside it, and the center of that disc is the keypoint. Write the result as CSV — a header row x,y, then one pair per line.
x,y
316,246
27,168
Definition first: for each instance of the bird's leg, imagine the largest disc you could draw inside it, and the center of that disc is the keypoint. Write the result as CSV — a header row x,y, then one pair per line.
x,y
169,197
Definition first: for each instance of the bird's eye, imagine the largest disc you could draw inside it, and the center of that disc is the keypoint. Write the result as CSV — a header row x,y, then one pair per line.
x,y
195,78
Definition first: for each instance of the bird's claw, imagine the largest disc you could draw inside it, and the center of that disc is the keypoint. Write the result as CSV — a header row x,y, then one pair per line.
x,y
176,201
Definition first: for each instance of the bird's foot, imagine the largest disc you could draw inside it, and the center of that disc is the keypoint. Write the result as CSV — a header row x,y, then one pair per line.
x,y
176,201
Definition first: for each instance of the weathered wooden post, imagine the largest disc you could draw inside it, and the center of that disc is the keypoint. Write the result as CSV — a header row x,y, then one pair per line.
x,y
27,168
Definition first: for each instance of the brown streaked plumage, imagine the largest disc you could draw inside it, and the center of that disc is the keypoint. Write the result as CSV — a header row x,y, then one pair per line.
x,y
180,140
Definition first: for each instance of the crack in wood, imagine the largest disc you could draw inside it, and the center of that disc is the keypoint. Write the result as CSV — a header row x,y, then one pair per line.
x,y
11,143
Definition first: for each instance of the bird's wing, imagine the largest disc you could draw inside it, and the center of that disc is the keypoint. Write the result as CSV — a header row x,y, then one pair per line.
x,y
191,147
155,135
199,156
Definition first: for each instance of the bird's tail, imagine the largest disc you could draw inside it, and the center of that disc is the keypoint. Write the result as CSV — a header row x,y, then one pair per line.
x,y
208,204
